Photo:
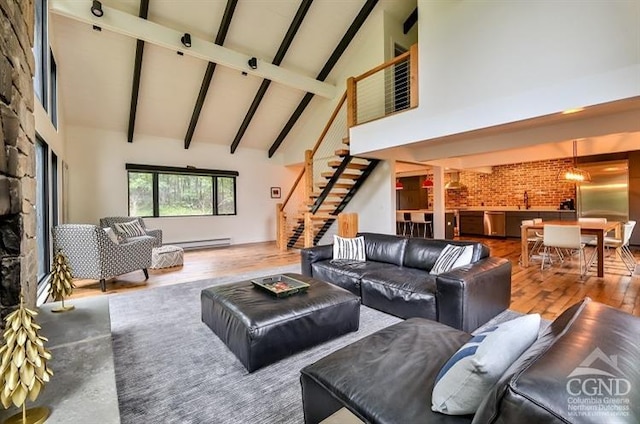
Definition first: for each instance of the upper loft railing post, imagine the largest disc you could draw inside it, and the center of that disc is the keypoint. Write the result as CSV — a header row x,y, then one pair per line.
x,y
413,76
308,175
352,102
281,227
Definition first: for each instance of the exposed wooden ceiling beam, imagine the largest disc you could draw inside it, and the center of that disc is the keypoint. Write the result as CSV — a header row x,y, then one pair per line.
x,y
208,75
284,46
150,32
328,66
410,21
137,70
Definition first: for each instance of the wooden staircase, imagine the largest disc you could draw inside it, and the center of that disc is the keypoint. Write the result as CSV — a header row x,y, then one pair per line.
x,y
332,193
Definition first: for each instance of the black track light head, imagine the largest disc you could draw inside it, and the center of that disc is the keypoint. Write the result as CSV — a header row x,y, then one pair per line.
x,y
186,39
96,9
253,63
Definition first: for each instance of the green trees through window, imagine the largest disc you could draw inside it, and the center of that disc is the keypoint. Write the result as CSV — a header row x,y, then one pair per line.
x,y
175,194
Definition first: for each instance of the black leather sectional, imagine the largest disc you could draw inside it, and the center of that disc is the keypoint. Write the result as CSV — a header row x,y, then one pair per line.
x,y
582,369
395,279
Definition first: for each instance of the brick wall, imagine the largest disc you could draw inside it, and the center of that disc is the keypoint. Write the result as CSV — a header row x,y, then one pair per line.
x,y
506,185
18,259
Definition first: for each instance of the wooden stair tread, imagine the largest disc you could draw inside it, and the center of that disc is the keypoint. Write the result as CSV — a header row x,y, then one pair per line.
x,y
338,195
343,176
336,185
345,141
341,152
360,166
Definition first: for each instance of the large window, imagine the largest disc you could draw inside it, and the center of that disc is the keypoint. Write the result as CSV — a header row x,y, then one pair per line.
x,y
168,191
40,50
42,208
53,82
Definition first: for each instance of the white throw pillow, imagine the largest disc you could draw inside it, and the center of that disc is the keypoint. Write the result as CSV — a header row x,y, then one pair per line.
x,y
112,235
452,257
348,248
130,229
466,378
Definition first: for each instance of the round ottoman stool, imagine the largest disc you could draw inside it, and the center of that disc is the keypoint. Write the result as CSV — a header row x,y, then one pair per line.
x,y
167,256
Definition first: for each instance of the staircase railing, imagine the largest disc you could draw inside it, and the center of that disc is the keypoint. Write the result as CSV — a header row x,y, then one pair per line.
x,y
384,90
300,193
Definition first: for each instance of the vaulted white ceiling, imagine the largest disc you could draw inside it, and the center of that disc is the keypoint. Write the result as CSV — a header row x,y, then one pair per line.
x,y
96,68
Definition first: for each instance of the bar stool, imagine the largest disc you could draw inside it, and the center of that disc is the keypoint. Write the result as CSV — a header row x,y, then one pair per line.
x,y
418,218
401,221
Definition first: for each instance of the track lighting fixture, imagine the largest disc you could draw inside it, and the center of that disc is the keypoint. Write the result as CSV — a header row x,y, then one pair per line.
x,y
96,9
253,63
186,39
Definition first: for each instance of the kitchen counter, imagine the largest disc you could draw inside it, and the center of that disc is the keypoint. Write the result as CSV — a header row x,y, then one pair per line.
x,y
514,209
424,210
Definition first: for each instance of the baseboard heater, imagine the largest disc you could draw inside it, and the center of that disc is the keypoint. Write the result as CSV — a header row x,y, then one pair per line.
x,y
203,244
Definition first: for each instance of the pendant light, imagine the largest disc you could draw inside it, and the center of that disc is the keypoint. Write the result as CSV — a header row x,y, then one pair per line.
x,y
427,183
574,174
399,185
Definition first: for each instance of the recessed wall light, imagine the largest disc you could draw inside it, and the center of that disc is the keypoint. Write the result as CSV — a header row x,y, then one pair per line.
x,y
253,63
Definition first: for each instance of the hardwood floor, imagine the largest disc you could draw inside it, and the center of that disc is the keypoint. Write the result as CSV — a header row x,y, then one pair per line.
x,y
547,292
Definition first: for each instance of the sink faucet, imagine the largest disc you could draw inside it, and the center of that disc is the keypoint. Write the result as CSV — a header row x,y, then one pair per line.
x,y
526,200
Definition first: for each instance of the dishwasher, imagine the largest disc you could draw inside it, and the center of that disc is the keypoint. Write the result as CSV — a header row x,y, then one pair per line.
x,y
495,224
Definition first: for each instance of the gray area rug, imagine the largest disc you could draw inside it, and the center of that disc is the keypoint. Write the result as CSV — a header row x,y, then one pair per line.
x,y
171,368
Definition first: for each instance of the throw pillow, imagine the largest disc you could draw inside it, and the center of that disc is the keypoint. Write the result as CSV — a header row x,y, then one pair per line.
x,y
452,257
466,378
348,248
130,229
112,235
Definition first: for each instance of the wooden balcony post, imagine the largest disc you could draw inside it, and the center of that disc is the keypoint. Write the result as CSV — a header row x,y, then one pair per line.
x,y
308,175
352,102
308,230
413,76
281,225
347,224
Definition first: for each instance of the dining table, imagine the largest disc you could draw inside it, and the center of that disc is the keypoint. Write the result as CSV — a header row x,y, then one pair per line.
x,y
598,229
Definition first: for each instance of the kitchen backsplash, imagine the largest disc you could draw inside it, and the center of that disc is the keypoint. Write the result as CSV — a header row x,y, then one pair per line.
x,y
506,185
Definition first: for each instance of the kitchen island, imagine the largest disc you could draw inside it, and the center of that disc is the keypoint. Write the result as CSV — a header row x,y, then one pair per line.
x,y
472,219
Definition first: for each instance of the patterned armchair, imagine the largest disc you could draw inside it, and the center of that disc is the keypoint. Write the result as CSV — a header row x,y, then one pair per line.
x,y
110,220
93,255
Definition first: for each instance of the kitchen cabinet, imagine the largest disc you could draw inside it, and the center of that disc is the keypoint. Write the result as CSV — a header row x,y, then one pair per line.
x,y
514,221
412,195
472,223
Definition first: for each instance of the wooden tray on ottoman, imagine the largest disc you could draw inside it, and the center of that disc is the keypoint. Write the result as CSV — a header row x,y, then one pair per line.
x,y
280,285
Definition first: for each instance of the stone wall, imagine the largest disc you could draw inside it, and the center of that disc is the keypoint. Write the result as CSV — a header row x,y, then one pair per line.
x,y
18,257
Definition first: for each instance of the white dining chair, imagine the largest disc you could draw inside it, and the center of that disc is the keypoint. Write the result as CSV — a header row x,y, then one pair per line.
x,y
402,222
563,237
534,239
417,219
622,246
588,239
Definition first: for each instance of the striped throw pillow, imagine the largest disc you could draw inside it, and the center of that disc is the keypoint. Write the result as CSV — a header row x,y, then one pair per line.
x,y
348,248
130,229
469,374
452,257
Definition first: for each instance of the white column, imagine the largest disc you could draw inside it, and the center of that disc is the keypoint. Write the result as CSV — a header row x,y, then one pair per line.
x,y
438,202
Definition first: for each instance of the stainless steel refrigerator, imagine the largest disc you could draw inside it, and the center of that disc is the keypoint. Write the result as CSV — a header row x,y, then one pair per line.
x,y
607,195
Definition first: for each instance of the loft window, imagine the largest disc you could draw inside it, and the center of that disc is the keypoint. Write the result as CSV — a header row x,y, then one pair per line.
x,y
40,52
157,191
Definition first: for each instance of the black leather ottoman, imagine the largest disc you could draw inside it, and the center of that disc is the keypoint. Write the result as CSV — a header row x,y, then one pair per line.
x,y
261,329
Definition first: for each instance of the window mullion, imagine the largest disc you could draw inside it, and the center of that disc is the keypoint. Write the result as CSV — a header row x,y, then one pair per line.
x,y
156,195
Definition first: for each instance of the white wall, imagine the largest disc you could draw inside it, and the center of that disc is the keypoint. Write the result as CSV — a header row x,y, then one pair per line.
x,y
98,183
486,63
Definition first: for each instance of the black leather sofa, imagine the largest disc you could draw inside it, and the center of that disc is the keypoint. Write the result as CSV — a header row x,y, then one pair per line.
x,y
388,377
395,279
